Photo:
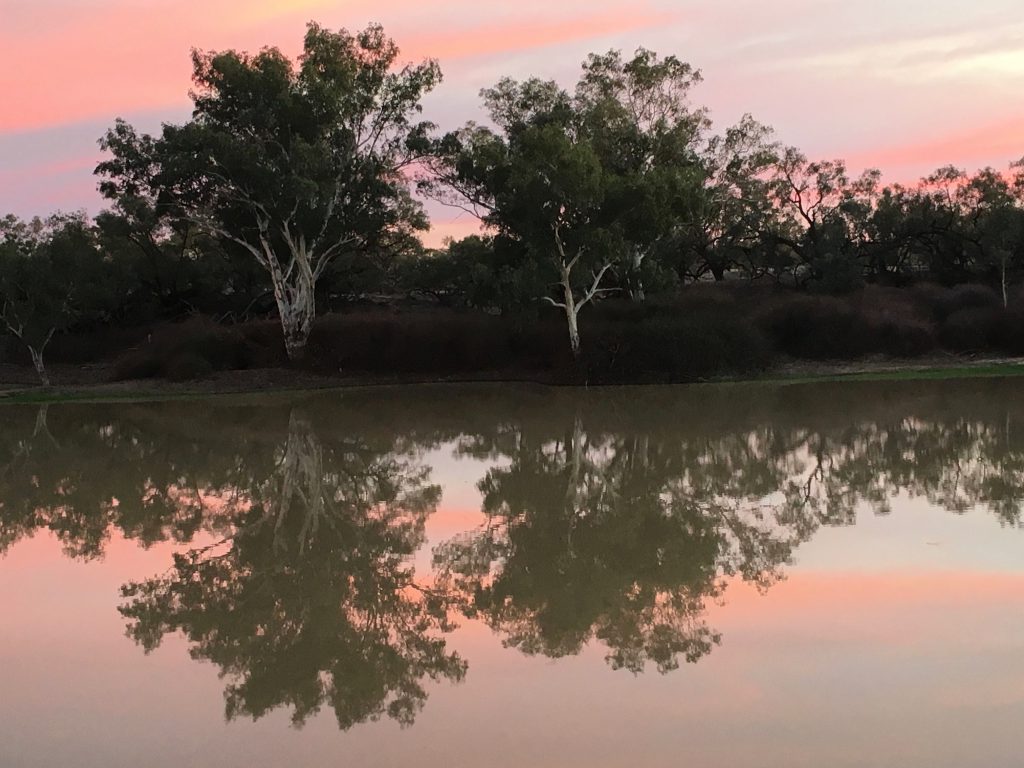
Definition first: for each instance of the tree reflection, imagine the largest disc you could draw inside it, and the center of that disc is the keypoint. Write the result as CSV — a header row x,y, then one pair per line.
x,y
620,538
612,517
621,528
297,581
310,600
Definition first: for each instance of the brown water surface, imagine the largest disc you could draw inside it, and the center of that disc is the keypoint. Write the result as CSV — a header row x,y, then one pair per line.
x,y
735,576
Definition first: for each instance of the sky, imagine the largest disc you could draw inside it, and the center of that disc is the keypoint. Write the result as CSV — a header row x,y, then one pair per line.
x,y
902,85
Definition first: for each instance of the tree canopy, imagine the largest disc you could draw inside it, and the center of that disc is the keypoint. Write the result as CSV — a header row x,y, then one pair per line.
x,y
294,163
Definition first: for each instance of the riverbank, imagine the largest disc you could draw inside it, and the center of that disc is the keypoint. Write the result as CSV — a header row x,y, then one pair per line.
x,y
93,383
708,333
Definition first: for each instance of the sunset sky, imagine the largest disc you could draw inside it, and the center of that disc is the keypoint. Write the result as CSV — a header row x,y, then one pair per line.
x,y
905,86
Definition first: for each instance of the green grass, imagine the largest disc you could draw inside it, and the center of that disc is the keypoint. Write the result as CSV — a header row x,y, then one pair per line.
x,y
95,395
997,370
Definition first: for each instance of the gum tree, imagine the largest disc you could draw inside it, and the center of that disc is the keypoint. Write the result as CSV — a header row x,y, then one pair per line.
x,y
52,275
536,182
584,183
638,115
293,163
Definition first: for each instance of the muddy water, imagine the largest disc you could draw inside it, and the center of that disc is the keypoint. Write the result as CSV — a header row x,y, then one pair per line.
x,y
710,576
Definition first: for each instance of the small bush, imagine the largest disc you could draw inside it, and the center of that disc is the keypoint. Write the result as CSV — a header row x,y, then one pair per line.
x,y
187,366
815,327
973,329
1010,333
895,323
902,336
432,343
197,346
942,303
671,348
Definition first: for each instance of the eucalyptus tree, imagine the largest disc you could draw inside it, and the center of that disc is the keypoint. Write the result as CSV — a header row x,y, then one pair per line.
x,y
735,203
537,181
993,221
52,275
293,163
822,215
649,136
583,183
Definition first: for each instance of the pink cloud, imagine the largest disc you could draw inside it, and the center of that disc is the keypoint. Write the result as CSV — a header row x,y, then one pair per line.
x,y
504,38
441,230
129,58
966,148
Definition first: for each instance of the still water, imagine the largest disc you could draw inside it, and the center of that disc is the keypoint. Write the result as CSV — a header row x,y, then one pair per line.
x,y
730,576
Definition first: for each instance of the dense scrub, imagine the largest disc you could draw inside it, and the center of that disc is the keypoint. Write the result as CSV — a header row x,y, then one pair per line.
x,y
706,331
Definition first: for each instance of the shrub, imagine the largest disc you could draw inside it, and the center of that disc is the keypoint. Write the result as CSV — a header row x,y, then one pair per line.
x,y
186,366
1010,332
197,346
432,343
971,329
941,303
814,327
902,336
895,323
671,348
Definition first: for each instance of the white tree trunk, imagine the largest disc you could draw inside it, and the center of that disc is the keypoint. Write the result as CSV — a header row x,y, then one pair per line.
x,y
37,362
295,295
1002,264
636,282
569,303
297,322
571,314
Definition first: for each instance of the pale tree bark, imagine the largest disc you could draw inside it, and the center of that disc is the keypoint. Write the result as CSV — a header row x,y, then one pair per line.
x,y
1002,275
294,267
570,304
636,280
37,363
17,329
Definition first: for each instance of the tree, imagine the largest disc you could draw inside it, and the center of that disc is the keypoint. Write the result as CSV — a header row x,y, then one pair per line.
x,y
992,220
52,275
583,183
541,185
481,272
822,215
734,206
294,164
638,115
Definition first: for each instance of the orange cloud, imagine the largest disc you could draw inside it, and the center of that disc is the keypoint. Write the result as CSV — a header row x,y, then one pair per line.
x,y
87,63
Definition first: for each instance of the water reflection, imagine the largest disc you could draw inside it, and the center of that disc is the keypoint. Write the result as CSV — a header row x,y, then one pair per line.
x,y
618,537
611,517
310,600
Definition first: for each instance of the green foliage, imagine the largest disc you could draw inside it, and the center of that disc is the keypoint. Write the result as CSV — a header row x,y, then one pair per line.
x,y
288,191
290,165
52,277
487,273
583,184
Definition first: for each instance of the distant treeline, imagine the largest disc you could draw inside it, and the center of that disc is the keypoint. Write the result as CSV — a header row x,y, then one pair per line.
x,y
297,187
